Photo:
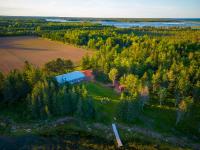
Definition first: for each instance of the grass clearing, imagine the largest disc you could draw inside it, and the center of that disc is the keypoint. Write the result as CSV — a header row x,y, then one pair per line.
x,y
106,99
163,120
97,90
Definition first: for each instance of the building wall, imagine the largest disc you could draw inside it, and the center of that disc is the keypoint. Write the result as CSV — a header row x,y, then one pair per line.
x,y
72,77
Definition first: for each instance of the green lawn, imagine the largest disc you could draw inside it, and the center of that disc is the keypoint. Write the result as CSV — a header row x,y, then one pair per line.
x,y
97,90
106,99
160,118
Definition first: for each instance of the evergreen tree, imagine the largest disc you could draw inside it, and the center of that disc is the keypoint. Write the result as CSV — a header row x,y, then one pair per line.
x,y
128,110
162,93
1,86
15,87
85,62
32,74
91,44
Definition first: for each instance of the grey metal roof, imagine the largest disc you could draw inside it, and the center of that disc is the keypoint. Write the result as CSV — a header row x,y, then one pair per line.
x,y
70,77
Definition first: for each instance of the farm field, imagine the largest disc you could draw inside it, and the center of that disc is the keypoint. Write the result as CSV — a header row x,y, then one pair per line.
x,y
15,50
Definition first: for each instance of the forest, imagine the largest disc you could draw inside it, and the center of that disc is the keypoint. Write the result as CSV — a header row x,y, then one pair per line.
x,y
159,68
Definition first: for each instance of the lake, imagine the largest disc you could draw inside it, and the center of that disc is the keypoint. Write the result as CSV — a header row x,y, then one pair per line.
x,y
150,24
138,24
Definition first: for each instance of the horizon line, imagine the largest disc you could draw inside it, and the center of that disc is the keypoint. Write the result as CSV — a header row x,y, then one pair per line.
x,y
103,17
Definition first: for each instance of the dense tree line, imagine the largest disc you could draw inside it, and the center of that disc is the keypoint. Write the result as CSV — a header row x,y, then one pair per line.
x,y
43,97
59,66
10,26
156,68
46,99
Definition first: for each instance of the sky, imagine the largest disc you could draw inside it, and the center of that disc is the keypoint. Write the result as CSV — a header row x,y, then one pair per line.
x,y
102,8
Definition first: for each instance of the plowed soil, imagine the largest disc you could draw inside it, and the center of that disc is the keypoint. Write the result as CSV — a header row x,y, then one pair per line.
x,y
14,51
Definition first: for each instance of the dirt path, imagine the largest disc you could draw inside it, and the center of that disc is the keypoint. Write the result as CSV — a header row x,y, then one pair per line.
x,y
177,141
107,130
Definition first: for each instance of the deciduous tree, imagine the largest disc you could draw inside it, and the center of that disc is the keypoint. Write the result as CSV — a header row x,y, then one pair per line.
x,y
113,75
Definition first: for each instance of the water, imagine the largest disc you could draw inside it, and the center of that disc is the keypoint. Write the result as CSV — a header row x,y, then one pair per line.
x,y
181,23
150,24
60,20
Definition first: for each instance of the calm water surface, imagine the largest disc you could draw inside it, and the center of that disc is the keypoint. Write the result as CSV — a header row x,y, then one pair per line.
x,y
139,24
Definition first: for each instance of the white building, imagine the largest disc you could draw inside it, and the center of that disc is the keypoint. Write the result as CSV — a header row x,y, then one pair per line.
x,y
72,77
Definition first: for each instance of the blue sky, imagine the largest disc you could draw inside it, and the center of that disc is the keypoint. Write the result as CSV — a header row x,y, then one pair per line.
x,y
103,8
